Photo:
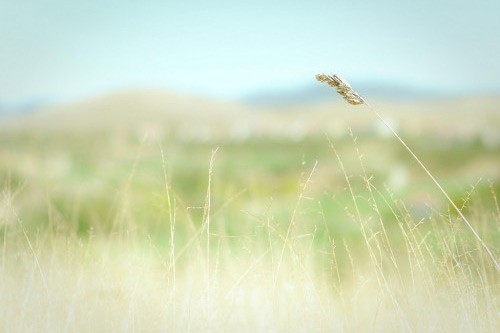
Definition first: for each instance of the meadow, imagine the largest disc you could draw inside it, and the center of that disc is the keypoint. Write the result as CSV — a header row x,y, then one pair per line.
x,y
208,225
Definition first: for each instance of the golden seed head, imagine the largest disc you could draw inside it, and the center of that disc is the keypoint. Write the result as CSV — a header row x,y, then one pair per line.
x,y
342,87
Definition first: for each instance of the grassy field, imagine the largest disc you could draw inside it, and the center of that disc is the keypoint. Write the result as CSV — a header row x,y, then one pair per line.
x,y
295,228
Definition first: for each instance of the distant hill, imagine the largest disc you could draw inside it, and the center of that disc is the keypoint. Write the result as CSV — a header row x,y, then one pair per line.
x,y
131,109
152,114
26,107
163,113
314,92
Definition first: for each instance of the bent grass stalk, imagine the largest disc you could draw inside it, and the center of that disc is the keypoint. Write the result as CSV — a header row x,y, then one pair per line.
x,y
352,97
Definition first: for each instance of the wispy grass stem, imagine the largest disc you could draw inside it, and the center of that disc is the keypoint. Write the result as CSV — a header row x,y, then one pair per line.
x,y
352,97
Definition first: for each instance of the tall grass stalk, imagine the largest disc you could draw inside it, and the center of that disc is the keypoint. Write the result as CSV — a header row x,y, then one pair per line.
x,y
291,224
352,97
171,216
206,219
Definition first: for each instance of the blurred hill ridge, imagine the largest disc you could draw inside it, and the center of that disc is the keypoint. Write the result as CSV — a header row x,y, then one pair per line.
x,y
149,110
314,92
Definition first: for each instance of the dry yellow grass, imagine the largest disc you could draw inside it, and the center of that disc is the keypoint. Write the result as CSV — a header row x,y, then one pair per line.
x,y
253,255
272,279
345,90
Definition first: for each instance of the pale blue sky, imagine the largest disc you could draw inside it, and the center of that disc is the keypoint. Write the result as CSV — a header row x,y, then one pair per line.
x,y
63,49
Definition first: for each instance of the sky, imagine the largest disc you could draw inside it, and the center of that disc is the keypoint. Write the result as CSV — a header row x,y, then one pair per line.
x,y
60,50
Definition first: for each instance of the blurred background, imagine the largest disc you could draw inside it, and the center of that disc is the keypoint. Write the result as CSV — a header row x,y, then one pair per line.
x,y
83,80
87,86
54,52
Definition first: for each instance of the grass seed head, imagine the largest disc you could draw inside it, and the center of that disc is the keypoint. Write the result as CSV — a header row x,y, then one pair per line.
x,y
342,87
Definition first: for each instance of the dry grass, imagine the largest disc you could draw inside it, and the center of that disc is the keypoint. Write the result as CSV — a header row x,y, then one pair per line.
x,y
345,90
342,87
427,277
161,260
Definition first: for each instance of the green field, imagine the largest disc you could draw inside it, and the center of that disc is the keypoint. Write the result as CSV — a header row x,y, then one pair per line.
x,y
120,230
